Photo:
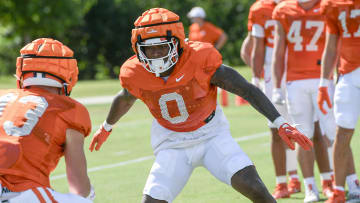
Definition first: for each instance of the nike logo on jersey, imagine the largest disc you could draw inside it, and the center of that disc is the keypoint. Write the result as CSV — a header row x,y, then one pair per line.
x,y
179,78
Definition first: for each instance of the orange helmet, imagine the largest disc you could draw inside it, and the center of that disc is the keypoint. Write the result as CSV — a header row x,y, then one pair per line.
x,y
47,62
154,27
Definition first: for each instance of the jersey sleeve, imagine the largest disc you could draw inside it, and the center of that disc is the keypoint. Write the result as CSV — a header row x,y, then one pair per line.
x,y
279,15
78,118
126,79
258,31
330,17
212,61
251,17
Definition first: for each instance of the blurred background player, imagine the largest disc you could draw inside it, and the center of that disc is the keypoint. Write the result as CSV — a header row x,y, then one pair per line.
x,y
204,31
342,39
261,35
300,31
39,124
178,81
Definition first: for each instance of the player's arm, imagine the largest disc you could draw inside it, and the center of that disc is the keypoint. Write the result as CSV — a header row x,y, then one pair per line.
x,y
221,41
257,59
246,49
329,60
329,56
230,80
121,104
278,58
278,62
76,169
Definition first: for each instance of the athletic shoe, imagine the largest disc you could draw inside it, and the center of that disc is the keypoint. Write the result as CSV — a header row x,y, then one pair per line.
x,y
294,186
281,191
338,196
327,188
311,194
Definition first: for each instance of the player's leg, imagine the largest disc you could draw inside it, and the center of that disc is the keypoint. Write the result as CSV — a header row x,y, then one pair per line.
x,y
229,164
302,113
248,182
347,110
169,174
294,184
324,136
342,154
278,147
279,159
322,160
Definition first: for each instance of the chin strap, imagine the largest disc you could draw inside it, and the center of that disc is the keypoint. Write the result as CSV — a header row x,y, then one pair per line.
x,y
65,88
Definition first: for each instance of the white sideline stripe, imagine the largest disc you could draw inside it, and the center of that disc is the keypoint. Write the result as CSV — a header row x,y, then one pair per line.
x,y
98,168
96,100
251,137
141,159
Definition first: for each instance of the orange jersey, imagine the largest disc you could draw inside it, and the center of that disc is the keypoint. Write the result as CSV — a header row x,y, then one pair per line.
x,y
206,33
343,19
187,98
305,38
261,14
33,125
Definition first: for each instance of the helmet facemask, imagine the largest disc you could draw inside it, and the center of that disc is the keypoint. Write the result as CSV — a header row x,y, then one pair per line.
x,y
163,63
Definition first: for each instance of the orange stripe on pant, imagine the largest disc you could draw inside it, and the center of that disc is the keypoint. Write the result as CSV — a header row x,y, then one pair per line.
x,y
41,198
38,195
50,195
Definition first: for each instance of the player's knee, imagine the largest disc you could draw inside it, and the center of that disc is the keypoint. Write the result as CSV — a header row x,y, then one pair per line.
x,y
247,182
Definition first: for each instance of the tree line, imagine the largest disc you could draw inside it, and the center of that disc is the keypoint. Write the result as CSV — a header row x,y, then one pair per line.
x,y
99,31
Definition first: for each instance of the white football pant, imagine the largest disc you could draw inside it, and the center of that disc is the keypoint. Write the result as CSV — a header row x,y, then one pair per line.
x,y
45,195
303,108
210,146
347,100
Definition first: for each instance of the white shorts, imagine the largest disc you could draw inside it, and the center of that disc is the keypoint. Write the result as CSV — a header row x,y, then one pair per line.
x,y
304,110
219,153
347,100
42,194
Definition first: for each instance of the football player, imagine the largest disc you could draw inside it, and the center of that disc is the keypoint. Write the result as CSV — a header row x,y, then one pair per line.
x,y
178,81
261,28
39,124
342,23
300,30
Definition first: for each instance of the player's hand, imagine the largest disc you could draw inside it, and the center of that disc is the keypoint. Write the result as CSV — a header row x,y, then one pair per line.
x,y
278,96
255,81
290,135
323,96
99,138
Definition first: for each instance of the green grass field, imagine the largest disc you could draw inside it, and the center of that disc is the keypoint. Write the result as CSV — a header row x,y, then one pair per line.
x,y
119,171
